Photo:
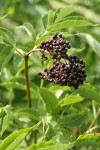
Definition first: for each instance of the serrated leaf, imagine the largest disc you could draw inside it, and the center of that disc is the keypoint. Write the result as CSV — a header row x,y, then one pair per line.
x,y
92,42
71,99
5,56
29,30
89,92
69,24
64,12
52,103
14,139
7,36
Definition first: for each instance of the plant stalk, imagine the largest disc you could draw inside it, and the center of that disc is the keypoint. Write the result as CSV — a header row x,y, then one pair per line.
x,y
27,82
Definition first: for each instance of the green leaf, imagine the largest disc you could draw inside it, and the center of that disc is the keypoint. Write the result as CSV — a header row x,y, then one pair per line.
x,y
52,103
7,36
88,140
41,145
42,39
7,118
74,50
14,139
1,39
45,20
29,113
89,92
5,56
74,120
92,42
59,146
71,99
29,30
6,121
64,12
74,18
69,24
51,18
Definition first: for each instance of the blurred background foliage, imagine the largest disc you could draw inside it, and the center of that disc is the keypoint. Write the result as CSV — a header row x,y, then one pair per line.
x,y
12,84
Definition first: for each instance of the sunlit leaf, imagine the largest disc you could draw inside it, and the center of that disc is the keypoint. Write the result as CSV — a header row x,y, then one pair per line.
x,y
71,99
41,145
14,139
42,39
64,12
70,24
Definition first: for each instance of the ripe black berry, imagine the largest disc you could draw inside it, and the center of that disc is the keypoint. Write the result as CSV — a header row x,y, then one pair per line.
x,y
66,70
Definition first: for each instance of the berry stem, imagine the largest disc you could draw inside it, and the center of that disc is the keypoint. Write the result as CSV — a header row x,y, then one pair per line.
x,y
27,82
31,51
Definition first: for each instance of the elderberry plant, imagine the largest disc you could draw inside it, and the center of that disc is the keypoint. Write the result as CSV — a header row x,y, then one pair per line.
x,y
60,115
66,70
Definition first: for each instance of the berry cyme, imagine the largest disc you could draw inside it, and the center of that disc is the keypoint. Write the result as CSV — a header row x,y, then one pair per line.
x,y
70,73
56,47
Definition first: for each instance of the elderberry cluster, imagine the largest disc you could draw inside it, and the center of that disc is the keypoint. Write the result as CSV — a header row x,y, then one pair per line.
x,y
70,73
56,47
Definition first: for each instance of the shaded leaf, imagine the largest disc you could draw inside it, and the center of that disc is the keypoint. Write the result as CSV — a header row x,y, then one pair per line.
x,y
45,20
88,140
5,56
29,29
92,42
90,92
73,120
7,36
30,113
51,18
52,103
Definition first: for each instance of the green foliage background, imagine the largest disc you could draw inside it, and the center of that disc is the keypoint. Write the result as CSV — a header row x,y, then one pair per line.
x,y
60,117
